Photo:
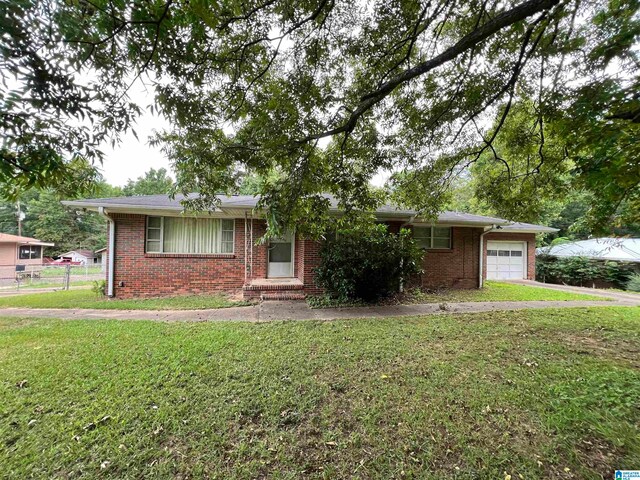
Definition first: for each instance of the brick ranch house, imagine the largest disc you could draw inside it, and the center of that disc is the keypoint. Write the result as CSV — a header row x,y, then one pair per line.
x,y
156,249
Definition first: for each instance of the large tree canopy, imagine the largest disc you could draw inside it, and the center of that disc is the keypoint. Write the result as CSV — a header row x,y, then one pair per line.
x,y
151,183
320,95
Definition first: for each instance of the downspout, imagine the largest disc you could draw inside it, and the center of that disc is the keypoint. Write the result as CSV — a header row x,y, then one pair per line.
x,y
481,263
251,265
246,237
112,249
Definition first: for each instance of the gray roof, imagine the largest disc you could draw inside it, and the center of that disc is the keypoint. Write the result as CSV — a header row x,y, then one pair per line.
x,y
248,202
527,227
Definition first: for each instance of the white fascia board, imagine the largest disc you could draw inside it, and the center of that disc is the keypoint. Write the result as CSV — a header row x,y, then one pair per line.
x,y
457,224
519,230
147,210
43,244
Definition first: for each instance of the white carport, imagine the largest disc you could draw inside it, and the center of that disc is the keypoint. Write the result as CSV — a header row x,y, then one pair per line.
x,y
613,249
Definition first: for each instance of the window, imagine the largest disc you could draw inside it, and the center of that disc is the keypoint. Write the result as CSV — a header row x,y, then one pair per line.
x,y
189,235
492,253
29,252
516,253
433,237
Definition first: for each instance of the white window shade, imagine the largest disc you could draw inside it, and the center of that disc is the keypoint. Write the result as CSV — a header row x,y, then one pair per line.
x,y
189,235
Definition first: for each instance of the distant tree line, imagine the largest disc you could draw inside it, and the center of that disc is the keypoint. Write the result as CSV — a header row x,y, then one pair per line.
x,y
39,213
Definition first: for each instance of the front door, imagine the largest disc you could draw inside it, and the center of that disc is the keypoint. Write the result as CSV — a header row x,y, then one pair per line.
x,y
281,257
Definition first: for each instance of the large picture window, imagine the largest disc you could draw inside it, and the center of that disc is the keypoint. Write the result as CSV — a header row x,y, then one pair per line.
x,y
29,252
189,235
433,237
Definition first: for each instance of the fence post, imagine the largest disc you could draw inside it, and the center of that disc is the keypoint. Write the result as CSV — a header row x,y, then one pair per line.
x,y
67,276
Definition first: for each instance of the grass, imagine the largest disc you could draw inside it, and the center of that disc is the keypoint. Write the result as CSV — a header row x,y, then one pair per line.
x,y
492,292
57,284
88,299
503,292
55,271
541,394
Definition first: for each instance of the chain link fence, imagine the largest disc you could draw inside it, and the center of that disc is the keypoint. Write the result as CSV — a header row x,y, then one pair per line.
x,y
60,277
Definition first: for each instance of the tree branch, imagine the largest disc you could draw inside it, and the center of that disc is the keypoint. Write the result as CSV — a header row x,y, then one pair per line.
x,y
467,42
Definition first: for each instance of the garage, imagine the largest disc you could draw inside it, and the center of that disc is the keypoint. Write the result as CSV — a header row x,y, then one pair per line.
x,y
506,260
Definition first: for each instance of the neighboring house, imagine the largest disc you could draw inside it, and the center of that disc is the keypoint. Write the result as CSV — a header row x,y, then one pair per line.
x,y
157,249
102,257
80,257
19,253
614,249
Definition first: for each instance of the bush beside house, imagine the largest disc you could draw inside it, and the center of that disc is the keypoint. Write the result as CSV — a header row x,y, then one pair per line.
x,y
367,263
583,271
633,284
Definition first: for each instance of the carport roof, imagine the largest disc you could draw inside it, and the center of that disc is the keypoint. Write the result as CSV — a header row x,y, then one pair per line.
x,y
9,238
617,249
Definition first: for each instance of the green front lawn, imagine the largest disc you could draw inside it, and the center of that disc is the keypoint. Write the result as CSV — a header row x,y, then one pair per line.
x,y
60,271
88,299
58,284
530,394
501,292
492,292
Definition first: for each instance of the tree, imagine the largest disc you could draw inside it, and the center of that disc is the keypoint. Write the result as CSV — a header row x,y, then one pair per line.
x,y
9,214
69,229
327,93
151,183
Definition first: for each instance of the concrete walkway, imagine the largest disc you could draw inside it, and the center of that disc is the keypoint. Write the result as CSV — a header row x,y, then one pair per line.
x,y
298,310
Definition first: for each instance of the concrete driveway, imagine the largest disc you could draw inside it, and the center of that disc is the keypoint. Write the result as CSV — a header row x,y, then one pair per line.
x,y
612,294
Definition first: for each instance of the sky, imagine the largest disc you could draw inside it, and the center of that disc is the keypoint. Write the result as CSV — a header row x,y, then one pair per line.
x,y
134,156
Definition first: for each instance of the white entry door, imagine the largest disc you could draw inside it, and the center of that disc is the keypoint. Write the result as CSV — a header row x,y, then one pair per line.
x,y
506,260
280,257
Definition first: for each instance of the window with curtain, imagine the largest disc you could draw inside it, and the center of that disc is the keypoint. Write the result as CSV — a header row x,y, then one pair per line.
x,y
433,237
189,235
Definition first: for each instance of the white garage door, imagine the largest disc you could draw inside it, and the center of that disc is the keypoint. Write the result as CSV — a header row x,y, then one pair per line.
x,y
505,260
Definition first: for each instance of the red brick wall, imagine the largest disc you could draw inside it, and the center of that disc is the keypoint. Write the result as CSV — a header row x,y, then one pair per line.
x,y
154,274
456,267
530,238
310,259
259,267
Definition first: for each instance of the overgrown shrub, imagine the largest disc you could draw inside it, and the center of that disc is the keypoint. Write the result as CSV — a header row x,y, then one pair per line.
x,y
633,284
581,271
367,263
99,287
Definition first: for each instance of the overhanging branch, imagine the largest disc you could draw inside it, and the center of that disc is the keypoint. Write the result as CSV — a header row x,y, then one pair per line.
x,y
503,20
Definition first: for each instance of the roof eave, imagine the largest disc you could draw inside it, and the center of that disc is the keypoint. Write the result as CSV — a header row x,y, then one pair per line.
x,y
529,230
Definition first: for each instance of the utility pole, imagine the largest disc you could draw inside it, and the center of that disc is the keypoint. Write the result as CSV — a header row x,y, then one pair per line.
x,y
19,219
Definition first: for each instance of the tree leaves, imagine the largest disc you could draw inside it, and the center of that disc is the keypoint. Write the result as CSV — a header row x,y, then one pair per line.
x,y
322,95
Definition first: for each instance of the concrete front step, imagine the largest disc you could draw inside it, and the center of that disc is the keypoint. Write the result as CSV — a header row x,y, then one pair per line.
x,y
274,289
282,296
